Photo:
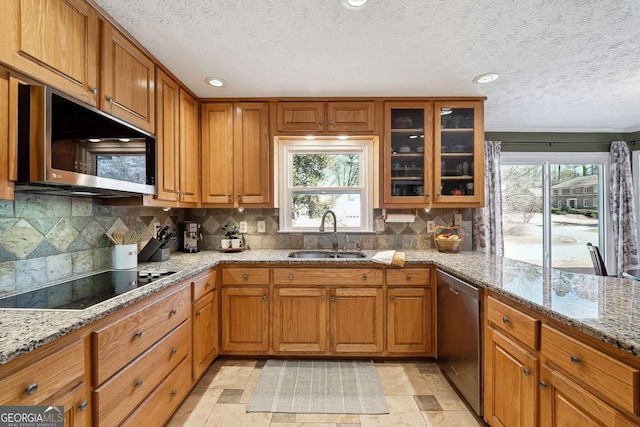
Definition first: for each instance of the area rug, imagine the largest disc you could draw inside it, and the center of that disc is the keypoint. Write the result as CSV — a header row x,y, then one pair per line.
x,y
319,387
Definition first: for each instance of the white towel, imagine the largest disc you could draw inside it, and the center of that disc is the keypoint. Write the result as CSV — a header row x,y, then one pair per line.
x,y
389,258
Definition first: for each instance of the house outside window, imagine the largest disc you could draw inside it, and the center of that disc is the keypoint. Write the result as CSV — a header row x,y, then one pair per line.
x,y
326,174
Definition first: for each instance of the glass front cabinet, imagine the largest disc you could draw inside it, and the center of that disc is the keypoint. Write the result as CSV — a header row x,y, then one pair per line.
x,y
433,154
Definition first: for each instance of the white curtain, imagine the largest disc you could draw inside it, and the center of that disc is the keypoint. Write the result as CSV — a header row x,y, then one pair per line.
x,y
487,221
621,203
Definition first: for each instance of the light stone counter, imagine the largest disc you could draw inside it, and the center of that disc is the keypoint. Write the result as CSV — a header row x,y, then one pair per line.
x,y
605,308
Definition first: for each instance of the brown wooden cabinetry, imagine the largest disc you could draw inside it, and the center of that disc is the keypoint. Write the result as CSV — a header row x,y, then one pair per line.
x,y
319,117
205,322
236,155
356,320
7,156
127,88
410,312
55,42
189,191
300,320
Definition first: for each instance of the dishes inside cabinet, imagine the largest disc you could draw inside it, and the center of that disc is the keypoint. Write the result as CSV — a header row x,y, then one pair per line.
x,y
402,122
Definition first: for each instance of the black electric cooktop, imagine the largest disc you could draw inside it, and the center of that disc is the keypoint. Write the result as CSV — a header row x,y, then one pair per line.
x,y
83,292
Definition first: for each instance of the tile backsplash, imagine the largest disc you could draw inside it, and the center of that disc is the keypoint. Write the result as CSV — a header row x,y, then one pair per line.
x,y
44,239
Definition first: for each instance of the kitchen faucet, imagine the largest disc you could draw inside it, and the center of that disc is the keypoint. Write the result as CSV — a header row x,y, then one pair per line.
x,y
334,236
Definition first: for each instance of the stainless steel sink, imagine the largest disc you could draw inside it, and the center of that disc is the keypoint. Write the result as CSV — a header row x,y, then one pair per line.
x,y
326,255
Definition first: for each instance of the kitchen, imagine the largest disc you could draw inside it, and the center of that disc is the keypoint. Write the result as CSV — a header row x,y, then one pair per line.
x,y
47,238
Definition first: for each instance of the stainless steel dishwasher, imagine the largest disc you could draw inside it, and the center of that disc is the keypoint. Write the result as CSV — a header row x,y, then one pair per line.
x,y
460,336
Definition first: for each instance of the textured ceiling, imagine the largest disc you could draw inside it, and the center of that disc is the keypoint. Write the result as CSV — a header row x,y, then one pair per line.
x,y
564,65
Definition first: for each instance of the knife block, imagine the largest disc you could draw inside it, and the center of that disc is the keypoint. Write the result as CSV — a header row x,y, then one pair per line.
x,y
161,254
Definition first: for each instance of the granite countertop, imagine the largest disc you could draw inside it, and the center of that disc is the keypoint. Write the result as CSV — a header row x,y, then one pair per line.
x,y
603,307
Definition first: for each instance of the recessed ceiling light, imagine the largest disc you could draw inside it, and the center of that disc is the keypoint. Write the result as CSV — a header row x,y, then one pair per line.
x,y
485,78
124,139
310,137
215,81
353,4
343,137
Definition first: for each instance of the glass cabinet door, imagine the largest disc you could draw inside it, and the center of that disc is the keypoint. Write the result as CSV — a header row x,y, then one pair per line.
x,y
407,154
459,153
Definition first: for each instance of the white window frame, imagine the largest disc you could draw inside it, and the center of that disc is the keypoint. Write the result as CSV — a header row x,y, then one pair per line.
x,y
545,159
366,147
585,203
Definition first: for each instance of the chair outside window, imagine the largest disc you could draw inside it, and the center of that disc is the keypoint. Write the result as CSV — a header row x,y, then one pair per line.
x,y
598,262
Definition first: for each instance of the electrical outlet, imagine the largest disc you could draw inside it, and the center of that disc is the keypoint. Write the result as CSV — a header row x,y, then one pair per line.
x,y
243,226
262,228
156,228
379,225
430,226
457,219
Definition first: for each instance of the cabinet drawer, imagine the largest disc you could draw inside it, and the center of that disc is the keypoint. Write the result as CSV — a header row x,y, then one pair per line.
x,y
522,327
327,276
245,276
202,284
409,276
611,379
32,385
120,342
121,394
160,404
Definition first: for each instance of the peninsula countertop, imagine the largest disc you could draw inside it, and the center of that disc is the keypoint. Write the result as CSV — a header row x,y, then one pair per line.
x,y
606,308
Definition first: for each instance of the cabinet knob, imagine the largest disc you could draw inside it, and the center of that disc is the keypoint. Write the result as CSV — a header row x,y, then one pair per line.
x,y
392,298
408,277
178,192
229,196
321,122
139,383
526,372
245,277
31,389
364,277
333,298
174,350
322,298
543,385
330,122
174,393
198,313
174,311
208,285
94,90
438,194
83,406
110,99
291,277
138,334
264,297
505,319
240,196
575,359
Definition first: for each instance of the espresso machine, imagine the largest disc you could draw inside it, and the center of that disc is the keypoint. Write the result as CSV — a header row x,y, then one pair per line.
x,y
191,237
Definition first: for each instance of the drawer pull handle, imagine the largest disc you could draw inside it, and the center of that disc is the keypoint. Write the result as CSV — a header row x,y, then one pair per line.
x,y
505,319
94,90
174,393
526,372
208,285
139,383
575,359
83,406
174,350
330,122
543,385
245,277
408,277
333,298
264,297
322,298
174,311
31,389
364,277
291,277
138,334
392,298
198,313
321,122
110,99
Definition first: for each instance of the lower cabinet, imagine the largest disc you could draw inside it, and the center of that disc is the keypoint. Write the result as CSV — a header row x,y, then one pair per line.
x,y
245,319
355,319
300,320
204,315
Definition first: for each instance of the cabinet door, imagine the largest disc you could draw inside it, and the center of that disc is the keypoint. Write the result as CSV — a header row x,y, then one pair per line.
x,y
511,377
407,154
7,156
126,80
252,154
168,137
245,320
301,117
217,154
189,149
300,320
54,41
205,345
77,411
350,116
564,403
356,320
459,153
409,320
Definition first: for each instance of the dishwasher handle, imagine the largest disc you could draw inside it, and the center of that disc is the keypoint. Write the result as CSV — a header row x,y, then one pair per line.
x,y
458,286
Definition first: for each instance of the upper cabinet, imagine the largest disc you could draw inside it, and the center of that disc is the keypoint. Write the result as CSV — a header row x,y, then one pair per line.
x,y
236,155
189,149
459,153
319,117
126,80
53,41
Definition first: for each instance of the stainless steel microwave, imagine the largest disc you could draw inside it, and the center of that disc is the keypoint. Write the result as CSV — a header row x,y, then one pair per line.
x,y
66,147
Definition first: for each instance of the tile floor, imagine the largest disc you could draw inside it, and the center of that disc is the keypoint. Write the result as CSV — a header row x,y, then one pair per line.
x,y
417,395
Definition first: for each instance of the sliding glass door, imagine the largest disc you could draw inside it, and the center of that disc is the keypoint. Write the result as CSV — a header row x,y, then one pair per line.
x,y
553,205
